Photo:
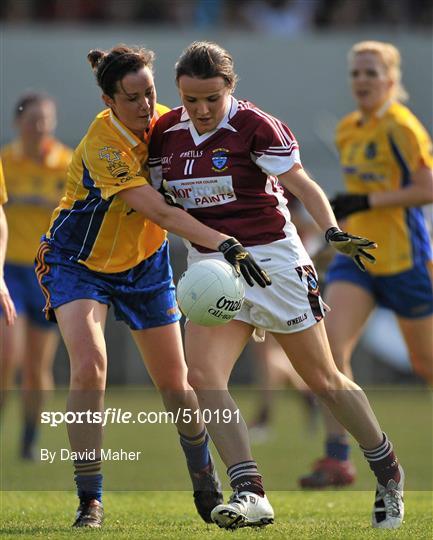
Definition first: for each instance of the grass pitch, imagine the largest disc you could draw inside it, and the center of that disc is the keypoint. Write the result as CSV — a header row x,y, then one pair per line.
x,y
37,501
170,515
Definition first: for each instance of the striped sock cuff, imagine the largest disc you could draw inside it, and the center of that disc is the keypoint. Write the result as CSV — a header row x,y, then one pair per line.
x,y
87,467
196,440
379,453
243,469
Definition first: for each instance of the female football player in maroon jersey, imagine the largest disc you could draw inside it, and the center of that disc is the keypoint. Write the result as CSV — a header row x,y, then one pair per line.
x,y
224,160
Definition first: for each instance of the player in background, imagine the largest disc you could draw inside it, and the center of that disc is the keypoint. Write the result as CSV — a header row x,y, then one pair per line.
x,y
106,244
221,158
6,303
387,161
35,165
273,373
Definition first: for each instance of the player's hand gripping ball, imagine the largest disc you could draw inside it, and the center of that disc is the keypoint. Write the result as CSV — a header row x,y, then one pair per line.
x,y
210,293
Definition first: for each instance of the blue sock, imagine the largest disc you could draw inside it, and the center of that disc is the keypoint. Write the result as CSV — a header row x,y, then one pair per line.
x,y
88,479
29,433
337,447
196,450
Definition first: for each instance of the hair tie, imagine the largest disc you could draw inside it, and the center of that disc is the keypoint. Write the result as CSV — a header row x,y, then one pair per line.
x,y
110,64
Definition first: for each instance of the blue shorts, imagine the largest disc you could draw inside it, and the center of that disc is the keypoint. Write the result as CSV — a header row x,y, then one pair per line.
x,y
143,297
409,294
25,292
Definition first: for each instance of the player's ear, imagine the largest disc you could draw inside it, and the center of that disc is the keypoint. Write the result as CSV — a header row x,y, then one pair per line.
x,y
108,100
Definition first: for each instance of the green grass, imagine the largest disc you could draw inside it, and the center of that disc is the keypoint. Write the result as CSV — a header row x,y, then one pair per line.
x,y
36,499
154,515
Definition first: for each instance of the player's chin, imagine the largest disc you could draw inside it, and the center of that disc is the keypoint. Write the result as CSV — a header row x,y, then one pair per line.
x,y
143,122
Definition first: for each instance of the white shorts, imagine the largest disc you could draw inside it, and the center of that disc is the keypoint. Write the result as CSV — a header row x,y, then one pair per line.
x,y
291,304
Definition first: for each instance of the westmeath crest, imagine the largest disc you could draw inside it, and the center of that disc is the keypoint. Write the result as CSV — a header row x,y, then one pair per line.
x,y
219,159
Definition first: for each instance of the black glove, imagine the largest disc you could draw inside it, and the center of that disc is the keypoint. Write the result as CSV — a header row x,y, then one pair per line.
x,y
243,262
352,246
345,204
168,195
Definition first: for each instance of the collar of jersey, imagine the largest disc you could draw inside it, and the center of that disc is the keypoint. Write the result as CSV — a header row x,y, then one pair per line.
x,y
380,113
127,135
18,152
231,111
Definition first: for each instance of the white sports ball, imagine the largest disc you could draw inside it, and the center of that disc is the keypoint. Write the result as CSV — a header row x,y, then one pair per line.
x,y
210,293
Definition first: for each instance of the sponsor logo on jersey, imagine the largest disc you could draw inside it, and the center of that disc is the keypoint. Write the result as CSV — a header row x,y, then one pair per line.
x,y
297,320
166,160
203,192
371,177
219,159
191,154
370,150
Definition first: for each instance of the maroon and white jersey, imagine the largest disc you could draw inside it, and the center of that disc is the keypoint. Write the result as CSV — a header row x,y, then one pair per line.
x,y
227,178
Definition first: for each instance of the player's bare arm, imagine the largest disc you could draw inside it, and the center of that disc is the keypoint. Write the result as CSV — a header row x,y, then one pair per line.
x,y
150,203
5,300
418,193
311,195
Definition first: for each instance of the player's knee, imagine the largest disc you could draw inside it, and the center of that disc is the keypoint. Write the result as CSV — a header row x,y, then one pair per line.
x,y
89,372
328,386
174,381
179,398
197,377
202,379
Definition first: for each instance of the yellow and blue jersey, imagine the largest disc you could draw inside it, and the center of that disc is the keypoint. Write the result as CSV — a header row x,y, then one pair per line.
x,y
34,190
3,193
379,155
91,225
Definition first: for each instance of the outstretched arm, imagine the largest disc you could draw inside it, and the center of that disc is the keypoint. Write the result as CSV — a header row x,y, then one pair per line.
x,y
150,203
153,205
5,300
311,195
417,193
315,201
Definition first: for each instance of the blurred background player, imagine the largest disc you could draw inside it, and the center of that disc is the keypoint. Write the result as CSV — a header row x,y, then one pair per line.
x,y
272,372
6,303
35,165
386,156
273,375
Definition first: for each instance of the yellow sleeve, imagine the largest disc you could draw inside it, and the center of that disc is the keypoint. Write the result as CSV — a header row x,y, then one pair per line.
x,y
3,193
113,169
161,109
414,144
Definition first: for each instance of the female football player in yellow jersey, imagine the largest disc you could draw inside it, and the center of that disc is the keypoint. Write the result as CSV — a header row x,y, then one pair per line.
x,y
107,245
35,167
387,161
6,303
